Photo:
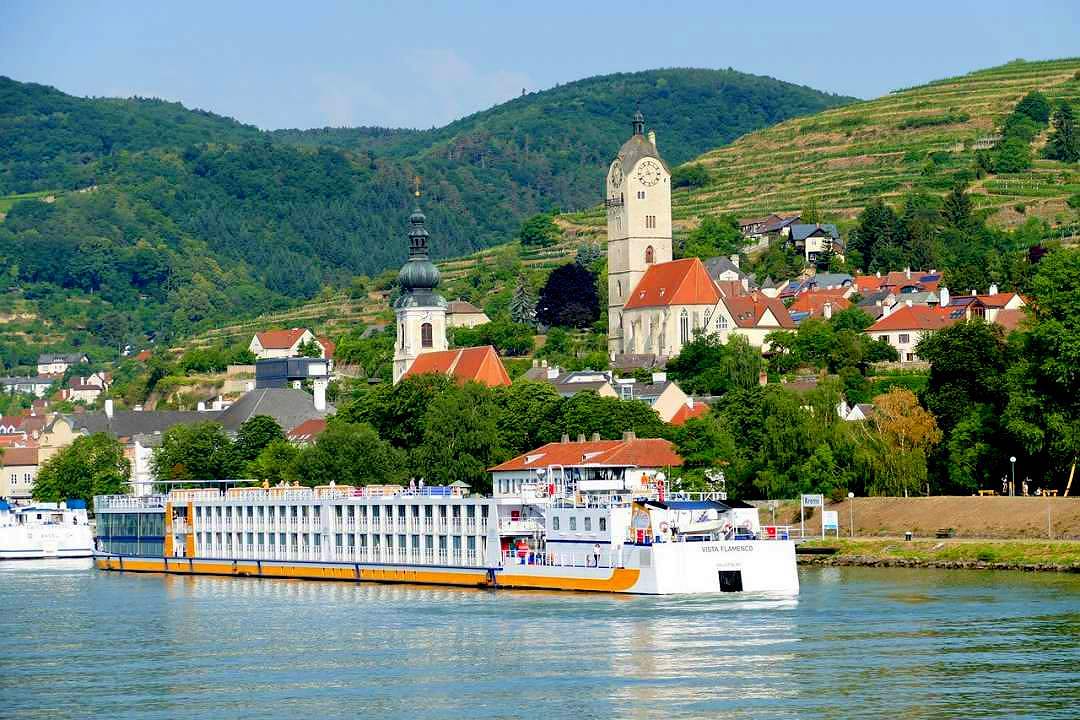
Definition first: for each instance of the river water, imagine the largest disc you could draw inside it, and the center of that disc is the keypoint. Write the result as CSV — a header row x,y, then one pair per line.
x,y
858,642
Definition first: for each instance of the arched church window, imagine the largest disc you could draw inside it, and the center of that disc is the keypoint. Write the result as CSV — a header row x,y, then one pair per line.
x,y
425,335
684,327
649,255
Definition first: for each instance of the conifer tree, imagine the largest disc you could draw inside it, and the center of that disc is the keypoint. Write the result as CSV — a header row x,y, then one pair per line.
x,y
1064,142
523,303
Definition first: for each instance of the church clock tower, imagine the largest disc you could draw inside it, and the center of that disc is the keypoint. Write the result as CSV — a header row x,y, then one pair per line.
x,y
638,201
421,312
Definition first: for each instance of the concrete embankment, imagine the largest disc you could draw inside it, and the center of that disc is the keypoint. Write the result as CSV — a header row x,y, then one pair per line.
x,y
1028,555
1042,518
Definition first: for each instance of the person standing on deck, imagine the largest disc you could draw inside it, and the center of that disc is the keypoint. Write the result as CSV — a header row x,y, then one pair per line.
x,y
596,554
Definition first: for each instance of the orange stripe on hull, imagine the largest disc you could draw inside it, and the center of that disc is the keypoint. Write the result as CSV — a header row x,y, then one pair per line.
x,y
621,580
181,566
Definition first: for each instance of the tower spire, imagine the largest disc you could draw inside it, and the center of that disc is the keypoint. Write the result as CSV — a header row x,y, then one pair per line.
x,y
639,122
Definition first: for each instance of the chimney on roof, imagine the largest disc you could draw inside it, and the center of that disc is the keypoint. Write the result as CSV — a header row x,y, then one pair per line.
x,y
734,260
878,273
746,284
565,438
629,435
826,310
993,289
943,297
201,407
973,292
908,303
109,408
652,137
535,363
907,273
581,437
690,402
543,363
596,437
319,386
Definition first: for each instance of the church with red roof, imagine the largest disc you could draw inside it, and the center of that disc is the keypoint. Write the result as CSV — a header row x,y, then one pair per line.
x,y
656,305
421,345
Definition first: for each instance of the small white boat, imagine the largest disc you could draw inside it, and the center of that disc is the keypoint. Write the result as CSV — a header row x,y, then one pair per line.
x,y
45,530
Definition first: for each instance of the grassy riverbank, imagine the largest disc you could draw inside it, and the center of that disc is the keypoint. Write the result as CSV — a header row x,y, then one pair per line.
x,y
1062,555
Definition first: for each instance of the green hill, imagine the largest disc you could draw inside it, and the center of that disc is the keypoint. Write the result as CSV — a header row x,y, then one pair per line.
x,y
922,138
162,221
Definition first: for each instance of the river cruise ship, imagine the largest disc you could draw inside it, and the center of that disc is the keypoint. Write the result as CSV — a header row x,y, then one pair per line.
x,y
603,540
45,530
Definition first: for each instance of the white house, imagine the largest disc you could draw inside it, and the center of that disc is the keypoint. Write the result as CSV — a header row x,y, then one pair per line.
x,y
18,472
462,313
279,343
58,363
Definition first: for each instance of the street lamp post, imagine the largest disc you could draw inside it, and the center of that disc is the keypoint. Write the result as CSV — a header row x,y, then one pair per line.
x,y
851,513
1012,486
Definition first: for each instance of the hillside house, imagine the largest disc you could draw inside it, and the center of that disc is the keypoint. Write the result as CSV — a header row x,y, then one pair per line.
x,y
462,313
811,241
272,344
58,363
36,386
819,304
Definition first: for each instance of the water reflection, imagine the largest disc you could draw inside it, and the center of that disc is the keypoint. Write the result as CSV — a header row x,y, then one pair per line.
x,y
856,643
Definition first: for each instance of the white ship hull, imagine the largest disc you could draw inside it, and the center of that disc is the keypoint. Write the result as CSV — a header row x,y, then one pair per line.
x,y
35,542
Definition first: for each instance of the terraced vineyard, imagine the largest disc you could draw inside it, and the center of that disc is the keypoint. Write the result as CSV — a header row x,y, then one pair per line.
x,y
915,138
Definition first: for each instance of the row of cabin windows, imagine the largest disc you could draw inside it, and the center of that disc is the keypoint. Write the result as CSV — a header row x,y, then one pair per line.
x,y
350,511
426,337
340,540
587,525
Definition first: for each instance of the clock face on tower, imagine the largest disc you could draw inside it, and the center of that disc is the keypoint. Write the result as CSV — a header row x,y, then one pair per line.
x,y
616,174
648,173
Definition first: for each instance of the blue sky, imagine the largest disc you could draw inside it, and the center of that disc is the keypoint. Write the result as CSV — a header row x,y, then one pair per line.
x,y
279,64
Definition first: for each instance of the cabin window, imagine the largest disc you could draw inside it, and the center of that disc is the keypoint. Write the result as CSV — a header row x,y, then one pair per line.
x,y
684,327
555,522
904,338
425,335
650,255
573,523
588,524
603,524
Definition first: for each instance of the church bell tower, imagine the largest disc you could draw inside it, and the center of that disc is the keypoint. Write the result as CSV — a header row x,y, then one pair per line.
x,y
420,311
638,202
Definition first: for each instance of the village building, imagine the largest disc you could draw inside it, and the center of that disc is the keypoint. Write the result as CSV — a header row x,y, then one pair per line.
x,y
306,432
462,313
37,386
811,241
18,472
272,344
58,363
819,304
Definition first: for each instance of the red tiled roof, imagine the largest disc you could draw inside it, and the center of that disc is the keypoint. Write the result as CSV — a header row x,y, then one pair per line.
x,y
679,282
307,430
19,456
915,317
480,364
328,345
16,420
686,412
1010,319
748,310
462,307
15,440
280,339
639,452
143,355
813,302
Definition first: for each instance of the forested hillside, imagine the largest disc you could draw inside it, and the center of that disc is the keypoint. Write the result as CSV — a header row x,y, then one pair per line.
x,y
131,218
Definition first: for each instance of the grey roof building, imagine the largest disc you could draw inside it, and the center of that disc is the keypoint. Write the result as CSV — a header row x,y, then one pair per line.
x,y
801,231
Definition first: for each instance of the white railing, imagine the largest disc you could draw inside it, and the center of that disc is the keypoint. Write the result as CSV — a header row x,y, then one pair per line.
x,y
105,503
